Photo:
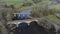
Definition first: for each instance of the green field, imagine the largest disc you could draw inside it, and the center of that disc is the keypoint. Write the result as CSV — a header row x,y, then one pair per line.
x,y
18,3
15,2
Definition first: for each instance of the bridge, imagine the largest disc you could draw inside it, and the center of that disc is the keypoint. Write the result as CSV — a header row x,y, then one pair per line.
x,y
46,21
20,21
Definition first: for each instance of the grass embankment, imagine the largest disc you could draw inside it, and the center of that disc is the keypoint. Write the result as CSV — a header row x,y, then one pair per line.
x,y
54,18
57,7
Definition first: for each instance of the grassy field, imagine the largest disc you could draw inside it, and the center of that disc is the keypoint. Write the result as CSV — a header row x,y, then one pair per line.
x,y
18,3
43,3
15,2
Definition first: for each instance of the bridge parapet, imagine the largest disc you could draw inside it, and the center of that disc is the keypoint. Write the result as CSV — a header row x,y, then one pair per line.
x,y
20,21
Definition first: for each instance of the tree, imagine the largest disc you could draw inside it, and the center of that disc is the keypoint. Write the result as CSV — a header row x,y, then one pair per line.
x,y
36,13
12,6
3,29
3,20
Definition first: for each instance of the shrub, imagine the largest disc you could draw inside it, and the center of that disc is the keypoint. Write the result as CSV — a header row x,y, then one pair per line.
x,y
42,12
